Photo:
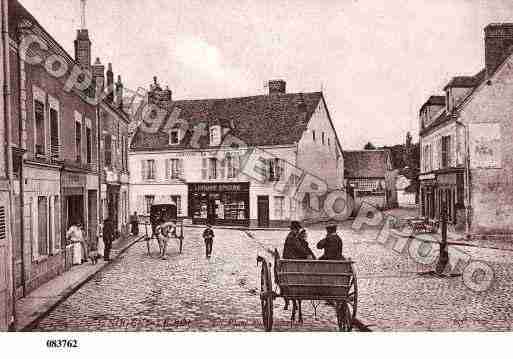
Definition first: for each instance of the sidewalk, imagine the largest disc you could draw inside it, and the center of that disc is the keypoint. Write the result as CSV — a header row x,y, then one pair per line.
x,y
30,309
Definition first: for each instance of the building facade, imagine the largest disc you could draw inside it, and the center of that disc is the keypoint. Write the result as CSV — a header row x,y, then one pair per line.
x,y
467,157
113,149
370,178
202,155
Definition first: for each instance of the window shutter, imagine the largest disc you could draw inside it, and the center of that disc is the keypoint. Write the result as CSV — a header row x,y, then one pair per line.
x,y
204,168
167,168
180,168
143,170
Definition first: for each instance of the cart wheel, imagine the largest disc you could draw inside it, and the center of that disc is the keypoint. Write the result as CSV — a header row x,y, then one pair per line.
x,y
345,323
266,297
352,297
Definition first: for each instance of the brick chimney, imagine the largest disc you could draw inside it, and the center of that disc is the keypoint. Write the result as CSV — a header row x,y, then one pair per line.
x,y
158,96
277,86
83,49
99,75
498,45
119,92
110,83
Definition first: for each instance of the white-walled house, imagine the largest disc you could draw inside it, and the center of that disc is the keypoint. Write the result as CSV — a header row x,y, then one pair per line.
x,y
235,161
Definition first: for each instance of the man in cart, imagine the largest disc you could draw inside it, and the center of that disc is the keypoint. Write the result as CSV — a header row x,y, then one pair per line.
x,y
332,244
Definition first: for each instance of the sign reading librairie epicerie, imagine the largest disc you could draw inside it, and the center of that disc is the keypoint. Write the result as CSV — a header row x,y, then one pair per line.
x,y
219,187
485,145
73,179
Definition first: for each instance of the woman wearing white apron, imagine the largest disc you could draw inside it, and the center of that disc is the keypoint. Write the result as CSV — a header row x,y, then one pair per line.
x,y
74,234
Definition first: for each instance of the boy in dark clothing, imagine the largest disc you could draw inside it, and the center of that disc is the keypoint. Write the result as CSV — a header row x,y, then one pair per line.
x,y
208,236
332,244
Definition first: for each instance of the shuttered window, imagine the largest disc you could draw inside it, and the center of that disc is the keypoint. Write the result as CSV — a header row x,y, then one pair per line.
x,y
42,221
78,141
39,113
89,145
212,174
54,133
3,228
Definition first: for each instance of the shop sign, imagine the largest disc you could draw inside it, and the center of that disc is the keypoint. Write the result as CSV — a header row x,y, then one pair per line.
x,y
73,180
219,187
447,179
430,176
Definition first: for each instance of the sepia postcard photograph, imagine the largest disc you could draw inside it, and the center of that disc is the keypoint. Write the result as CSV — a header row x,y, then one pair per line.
x,y
235,167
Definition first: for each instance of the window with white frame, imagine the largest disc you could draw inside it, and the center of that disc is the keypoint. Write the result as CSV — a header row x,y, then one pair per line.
x,y
174,168
293,207
279,207
107,144
212,174
275,169
149,169
178,201
215,135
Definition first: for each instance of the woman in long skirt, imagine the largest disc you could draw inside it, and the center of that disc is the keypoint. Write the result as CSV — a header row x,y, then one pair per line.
x,y
74,235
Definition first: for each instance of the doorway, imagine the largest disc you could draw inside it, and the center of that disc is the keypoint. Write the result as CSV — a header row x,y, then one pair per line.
x,y
263,211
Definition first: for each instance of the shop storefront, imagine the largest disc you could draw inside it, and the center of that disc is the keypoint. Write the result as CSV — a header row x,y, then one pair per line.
x,y
219,203
439,189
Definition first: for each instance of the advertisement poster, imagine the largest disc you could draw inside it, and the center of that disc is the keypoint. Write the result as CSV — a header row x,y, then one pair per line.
x,y
485,145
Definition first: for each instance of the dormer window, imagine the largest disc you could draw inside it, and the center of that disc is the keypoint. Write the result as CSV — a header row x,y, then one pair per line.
x,y
215,136
174,137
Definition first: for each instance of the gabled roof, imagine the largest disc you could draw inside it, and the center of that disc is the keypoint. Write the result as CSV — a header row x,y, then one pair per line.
x,y
462,82
365,163
277,119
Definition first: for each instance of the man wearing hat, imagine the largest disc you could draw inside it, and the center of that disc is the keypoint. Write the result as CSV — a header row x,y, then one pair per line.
x,y
294,247
332,244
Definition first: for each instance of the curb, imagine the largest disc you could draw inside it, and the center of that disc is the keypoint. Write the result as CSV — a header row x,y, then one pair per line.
x,y
73,288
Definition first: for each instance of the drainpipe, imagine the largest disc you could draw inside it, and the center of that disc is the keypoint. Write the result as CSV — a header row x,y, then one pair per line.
x,y
8,140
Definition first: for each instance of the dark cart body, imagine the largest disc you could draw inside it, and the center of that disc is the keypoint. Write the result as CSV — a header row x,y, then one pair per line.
x,y
324,280
162,213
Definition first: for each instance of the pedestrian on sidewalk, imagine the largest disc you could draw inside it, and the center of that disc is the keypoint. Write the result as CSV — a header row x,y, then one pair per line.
x,y
74,236
134,222
332,244
93,249
208,237
108,238
84,244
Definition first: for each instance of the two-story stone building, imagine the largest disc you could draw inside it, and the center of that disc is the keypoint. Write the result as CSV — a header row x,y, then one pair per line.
x,y
199,154
466,150
113,148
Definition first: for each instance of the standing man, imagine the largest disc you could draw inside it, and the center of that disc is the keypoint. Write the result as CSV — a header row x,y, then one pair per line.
x,y
134,222
332,244
208,236
108,238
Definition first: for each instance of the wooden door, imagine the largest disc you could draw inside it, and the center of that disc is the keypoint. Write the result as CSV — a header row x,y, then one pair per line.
x,y
263,211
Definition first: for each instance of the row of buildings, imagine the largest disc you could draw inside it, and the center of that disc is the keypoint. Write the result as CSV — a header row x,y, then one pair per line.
x,y
65,158
466,149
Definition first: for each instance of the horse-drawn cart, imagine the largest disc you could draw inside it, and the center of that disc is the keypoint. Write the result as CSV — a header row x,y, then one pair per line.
x,y
163,214
324,280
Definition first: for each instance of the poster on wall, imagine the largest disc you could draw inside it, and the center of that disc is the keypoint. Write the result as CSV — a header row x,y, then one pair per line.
x,y
485,145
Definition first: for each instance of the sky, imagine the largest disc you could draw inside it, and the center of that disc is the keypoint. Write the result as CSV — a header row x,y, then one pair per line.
x,y
376,61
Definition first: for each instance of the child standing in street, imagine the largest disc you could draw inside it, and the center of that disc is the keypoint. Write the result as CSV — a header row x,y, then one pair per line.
x,y
208,236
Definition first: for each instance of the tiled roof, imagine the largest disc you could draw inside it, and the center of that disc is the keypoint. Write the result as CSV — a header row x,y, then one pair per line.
x,y
365,164
275,119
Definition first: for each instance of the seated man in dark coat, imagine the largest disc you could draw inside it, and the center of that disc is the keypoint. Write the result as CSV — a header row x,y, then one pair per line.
x,y
295,246
332,244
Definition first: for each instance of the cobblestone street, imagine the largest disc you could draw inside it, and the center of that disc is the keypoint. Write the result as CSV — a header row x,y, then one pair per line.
x,y
188,292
